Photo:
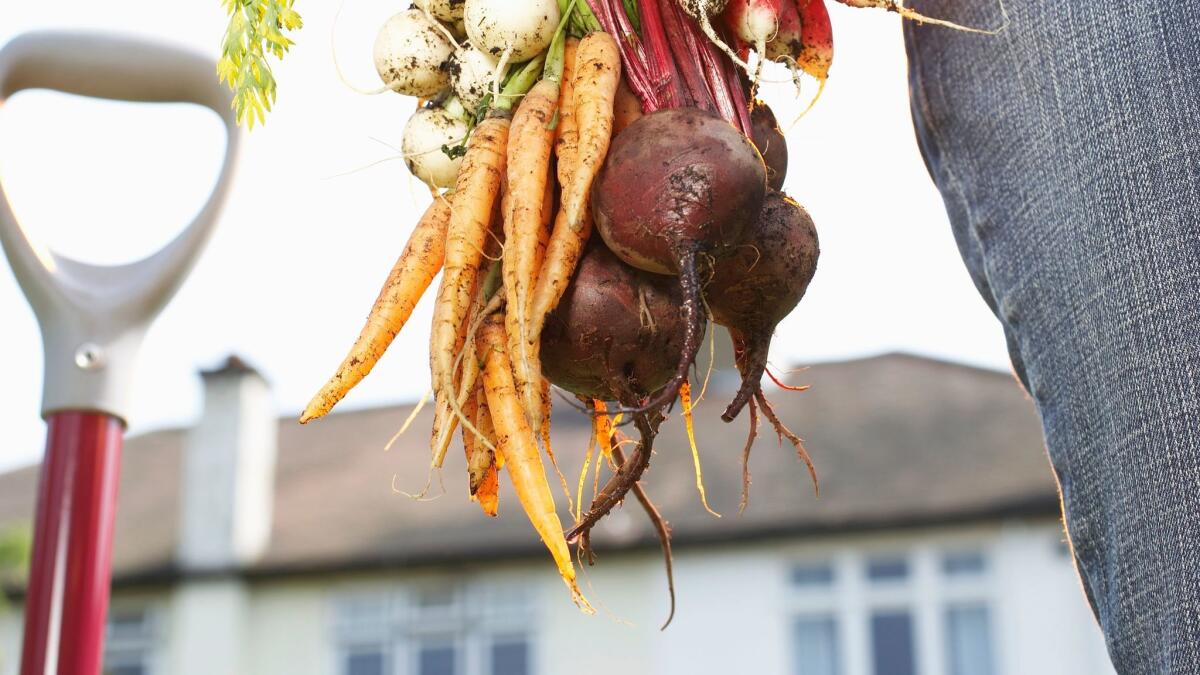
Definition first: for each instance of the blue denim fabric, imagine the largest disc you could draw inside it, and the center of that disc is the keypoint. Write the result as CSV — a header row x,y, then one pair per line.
x,y
1067,149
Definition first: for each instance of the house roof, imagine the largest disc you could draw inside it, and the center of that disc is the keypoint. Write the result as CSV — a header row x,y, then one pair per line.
x,y
898,440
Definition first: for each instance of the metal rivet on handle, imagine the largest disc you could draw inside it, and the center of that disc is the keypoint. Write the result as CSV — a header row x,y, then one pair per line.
x,y
89,356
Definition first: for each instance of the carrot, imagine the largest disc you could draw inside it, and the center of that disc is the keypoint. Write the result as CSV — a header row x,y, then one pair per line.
x,y
566,134
529,152
627,109
477,186
481,461
519,445
597,71
410,276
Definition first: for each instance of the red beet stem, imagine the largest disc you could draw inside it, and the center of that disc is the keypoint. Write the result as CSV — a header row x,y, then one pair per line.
x,y
680,35
661,66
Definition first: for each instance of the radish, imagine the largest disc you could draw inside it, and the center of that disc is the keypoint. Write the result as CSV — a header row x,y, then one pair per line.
x,y
443,10
471,74
785,44
411,54
703,11
523,29
754,21
678,184
769,140
759,284
429,138
614,331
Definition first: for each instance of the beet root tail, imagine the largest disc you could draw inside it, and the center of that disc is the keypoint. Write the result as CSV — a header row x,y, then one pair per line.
x,y
752,364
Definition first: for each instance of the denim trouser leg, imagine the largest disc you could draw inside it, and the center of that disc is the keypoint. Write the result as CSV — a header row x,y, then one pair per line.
x,y
1067,150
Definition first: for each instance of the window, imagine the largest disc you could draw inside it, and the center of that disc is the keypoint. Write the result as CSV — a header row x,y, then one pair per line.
x,y
816,646
436,658
892,643
812,575
510,656
434,630
365,662
895,611
968,640
963,564
892,568
129,643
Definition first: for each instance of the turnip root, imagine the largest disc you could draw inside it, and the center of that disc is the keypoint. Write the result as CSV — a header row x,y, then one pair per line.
x,y
524,28
428,138
759,283
443,10
471,74
678,184
615,330
769,140
411,53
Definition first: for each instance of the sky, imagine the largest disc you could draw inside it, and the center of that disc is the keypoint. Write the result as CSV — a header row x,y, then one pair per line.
x,y
321,206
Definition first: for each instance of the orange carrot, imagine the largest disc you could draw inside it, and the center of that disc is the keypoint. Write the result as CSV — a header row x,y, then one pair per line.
x,y
414,270
477,187
627,109
519,445
597,71
529,150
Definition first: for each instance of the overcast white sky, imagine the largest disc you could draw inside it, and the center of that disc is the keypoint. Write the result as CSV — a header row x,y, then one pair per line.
x,y
300,254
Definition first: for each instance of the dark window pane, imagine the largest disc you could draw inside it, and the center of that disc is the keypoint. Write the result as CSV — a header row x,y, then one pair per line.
x,y
436,597
436,660
963,564
510,657
812,575
364,663
816,646
887,569
892,643
969,640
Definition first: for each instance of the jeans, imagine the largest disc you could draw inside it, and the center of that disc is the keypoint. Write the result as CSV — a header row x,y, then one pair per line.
x,y
1067,150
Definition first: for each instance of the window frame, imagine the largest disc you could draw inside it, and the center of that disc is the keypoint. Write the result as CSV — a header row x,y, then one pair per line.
x,y
495,608
927,593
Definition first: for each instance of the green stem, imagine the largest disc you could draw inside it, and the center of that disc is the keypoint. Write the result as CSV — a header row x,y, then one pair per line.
x,y
585,20
492,281
555,55
520,83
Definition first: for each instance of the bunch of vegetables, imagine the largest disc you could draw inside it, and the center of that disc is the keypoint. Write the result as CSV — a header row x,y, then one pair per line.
x,y
605,186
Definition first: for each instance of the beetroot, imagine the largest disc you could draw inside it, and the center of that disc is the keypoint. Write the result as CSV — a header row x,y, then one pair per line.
x,y
678,184
769,140
615,331
759,283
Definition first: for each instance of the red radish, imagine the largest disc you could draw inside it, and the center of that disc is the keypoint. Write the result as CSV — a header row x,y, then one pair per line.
x,y
614,330
759,284
676,185
754,21
816,39
771,144
785,44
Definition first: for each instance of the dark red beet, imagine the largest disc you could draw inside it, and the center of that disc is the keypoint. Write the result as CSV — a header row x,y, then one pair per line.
x,y
616,330
676,184
759,283
769,140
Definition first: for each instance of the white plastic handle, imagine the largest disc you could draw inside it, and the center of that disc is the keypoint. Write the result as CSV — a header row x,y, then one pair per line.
x,y
93,317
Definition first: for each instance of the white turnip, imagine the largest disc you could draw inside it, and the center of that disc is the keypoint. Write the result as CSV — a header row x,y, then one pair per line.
x,y
522,29
411,54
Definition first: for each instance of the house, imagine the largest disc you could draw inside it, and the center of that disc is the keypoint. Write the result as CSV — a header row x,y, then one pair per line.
x,y
249,544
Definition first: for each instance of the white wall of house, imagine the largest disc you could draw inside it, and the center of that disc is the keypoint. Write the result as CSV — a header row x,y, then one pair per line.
x,y
738,608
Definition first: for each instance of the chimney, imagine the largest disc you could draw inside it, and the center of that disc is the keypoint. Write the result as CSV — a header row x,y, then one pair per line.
x,y
229,471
